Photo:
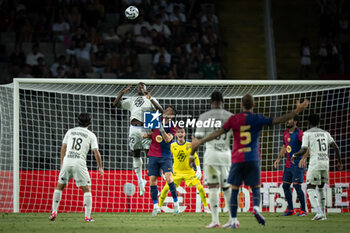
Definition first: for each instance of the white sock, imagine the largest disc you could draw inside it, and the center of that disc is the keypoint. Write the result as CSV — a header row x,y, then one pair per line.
x,y
227,197
256,208
314,201
214,204
137,163
57,194
176,204
87,204
322,199
155,206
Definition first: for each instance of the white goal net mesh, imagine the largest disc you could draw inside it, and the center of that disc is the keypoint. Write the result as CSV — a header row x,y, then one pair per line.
x,y
47,111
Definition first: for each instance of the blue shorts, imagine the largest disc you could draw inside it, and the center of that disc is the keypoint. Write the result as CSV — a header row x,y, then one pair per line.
x,y
249,172
293,175
157,163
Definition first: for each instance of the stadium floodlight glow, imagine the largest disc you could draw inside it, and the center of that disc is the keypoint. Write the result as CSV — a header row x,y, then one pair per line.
x,y
35,114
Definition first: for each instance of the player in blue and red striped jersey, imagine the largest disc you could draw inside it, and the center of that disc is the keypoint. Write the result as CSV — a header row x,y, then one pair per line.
x,y
292,139
245,166
160,158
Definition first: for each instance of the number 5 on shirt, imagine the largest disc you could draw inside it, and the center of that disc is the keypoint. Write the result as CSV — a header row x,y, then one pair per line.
x,y
246,138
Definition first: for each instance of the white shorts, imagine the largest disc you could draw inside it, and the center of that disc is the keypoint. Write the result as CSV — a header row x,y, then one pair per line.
x,y
77,171
216,174
136,142
317,177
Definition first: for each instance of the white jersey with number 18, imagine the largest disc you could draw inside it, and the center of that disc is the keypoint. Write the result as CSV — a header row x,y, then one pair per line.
x,y
317,140
79,140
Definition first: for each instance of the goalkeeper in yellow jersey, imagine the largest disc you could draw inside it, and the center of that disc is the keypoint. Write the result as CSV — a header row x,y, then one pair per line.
x,y
180,151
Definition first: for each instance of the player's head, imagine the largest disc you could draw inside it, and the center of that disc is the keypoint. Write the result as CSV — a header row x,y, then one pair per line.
x,y
169,113
180,134
216,99
314,120
247,102
141,87
292,123
84,119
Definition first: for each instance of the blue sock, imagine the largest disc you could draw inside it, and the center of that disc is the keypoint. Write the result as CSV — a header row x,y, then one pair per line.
x,y
173,192
301,196
234,203
256,196
154,194
288,194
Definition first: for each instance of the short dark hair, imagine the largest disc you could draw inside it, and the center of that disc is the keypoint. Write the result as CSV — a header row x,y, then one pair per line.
x,y
217,96
248,101
296,118
84,119
173,108
314,119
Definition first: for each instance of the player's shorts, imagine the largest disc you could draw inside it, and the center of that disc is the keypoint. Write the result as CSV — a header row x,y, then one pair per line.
x,y
136,142
247,172
155,164
293,175
317,177
216,174
190,178
77,171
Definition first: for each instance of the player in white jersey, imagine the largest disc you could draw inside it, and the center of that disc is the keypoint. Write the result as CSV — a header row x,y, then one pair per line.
x,y
216,168
75,147
137,106
317,141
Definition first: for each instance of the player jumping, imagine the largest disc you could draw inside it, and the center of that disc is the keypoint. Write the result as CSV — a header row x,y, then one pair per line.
x,y
317,141
137,106
292,139
217,158
180,151
76,145
159,155
245,166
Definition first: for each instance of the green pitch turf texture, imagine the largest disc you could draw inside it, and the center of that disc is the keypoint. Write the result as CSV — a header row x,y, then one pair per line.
x,y
183,223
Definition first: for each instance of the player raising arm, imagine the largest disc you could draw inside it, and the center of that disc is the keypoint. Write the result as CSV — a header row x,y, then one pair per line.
x,y
137,106
180,151
317,141
75,147
245,166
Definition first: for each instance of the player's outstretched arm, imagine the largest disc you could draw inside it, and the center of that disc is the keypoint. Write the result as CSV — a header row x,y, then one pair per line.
x,y
302,151
155,103
337,154
196,142
280,155
63,152
99,162
299,108
117,101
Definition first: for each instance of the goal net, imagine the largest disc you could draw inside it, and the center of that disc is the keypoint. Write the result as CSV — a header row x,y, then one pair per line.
x,y
35,114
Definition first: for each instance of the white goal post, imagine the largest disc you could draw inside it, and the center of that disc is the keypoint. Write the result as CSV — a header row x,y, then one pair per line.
x,y
37,112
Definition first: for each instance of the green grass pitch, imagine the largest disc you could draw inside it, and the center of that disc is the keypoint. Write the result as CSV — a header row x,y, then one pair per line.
x,y
183,223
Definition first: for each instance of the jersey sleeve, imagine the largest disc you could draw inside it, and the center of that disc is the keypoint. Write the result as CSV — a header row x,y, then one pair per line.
x,y
126,104
154,107
305,141
65,139
196,159
94,144
262,120
200,131
172,149
300,136
228,124
329,138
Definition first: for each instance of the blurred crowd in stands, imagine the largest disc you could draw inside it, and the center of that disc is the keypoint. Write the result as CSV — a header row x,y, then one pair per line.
x,y
93,39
